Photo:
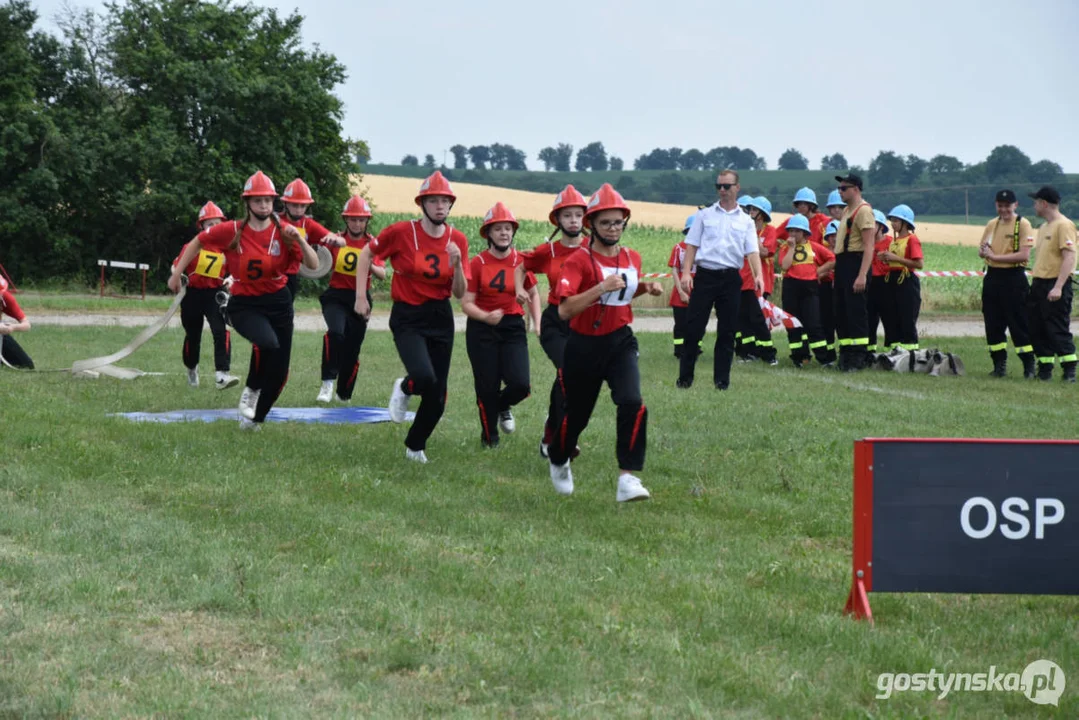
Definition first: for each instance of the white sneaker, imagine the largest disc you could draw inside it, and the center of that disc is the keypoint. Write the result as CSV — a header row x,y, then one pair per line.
x,y
342,400
562,478
225,381
326,393
193,376
505,422
630,488
398,402
249,400
251,425
416,455
543,449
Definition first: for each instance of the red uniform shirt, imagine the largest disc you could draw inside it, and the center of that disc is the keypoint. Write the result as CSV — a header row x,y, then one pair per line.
x,y
259,263
818,223
880,268
547,259
830,277
807,258
909,248
207,271
768,264
677,261
9,307
346,259
421,264
492,279
311,230
585,269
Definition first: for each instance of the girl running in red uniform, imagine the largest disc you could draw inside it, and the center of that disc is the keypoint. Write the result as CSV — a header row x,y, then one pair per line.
x,y
495,334
903,290
297,198
567,216
679,300
345,330
803,262
430,262
10,350
258,250
598,284
205,277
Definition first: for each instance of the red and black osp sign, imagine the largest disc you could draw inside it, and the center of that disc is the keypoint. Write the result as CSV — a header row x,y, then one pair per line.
x,y
964,516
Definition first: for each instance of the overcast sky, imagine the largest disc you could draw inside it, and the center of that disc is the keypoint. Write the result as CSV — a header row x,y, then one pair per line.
x,y
924,76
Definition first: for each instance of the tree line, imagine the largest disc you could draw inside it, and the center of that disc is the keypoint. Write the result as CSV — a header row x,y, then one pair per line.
x,y
118,130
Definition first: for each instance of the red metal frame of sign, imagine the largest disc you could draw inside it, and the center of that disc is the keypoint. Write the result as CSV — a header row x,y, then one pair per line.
x,y
862,574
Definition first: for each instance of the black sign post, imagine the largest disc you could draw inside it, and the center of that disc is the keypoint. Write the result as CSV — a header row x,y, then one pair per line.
x,y
964,516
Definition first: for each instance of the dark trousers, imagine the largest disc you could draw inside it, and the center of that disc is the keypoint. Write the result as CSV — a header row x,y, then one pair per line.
x,y
345,331
293,286
199,303
1050,322
801,299
423,335
266,322
1004,309
14,354
554,333
879,312
903,297
499,357
681,320
592,360
753,338
827,317
721,289
851,317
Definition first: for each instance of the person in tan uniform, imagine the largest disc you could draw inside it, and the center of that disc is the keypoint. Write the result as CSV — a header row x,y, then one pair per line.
x,y
854,251
1005,248
1049,306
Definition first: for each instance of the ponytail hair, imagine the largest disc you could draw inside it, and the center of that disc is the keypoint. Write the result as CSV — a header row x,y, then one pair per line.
x,y
241,224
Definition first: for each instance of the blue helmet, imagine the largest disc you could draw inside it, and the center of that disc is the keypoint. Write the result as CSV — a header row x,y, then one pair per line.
x,y
799,222
904,213
882,220
763,204
832,229
806,195
744,200
689,223
834,199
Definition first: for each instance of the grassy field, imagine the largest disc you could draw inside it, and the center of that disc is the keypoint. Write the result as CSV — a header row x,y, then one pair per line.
x,y
308,571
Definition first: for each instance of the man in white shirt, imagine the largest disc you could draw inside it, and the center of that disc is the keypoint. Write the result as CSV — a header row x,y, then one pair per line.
x,y
721,239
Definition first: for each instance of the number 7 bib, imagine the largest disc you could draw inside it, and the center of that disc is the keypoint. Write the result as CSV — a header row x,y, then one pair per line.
x,y
210,264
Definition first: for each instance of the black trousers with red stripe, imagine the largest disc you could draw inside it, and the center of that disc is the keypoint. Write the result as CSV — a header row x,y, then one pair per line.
x,y
589,361
345,332
499,357
554,333
423,335
14,354
265,321
199,303
827,318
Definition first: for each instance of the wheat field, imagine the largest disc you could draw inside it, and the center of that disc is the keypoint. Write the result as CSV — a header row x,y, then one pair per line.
x,y
396,194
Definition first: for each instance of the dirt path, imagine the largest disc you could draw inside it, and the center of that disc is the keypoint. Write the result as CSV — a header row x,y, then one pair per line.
x,y
312,322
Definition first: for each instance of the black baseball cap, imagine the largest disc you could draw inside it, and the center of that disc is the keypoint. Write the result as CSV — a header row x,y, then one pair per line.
x,y
1006,196
1048,193
850,180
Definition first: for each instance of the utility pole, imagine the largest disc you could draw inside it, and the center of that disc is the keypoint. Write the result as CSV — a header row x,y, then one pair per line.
x,y
966,196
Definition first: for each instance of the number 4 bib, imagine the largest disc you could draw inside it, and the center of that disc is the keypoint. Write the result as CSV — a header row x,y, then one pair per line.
x,y
625,295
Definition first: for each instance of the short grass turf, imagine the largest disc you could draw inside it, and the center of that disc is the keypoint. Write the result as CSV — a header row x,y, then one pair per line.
x,y
310,571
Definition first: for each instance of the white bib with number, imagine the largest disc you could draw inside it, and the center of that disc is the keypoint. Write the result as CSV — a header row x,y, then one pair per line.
x,y
625,295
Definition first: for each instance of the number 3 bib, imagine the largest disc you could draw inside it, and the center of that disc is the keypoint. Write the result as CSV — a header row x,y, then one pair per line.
x,y
431,266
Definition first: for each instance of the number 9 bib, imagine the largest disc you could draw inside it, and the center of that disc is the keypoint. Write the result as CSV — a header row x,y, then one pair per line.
x,y
347,260
210,264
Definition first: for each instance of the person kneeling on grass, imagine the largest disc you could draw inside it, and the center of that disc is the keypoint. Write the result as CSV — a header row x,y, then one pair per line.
x,y
598,284
495,335
804,262
11,351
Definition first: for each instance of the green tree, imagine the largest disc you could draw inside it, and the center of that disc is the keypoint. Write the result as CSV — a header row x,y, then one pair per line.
x,y
914,168
791,159
548,156
887,168
460,157
692,159
616,163
1006,162
481,155
429,161
592,157
410,161
836,161
563,153
944,165
1044,171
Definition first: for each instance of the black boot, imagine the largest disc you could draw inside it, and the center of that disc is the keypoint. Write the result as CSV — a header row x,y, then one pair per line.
x,y
1045,371
1069,371
1000,363
1029,371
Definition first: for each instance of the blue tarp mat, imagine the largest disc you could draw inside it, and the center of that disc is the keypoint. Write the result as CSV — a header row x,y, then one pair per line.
x,y
326,415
